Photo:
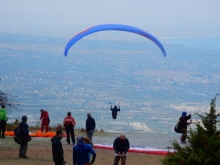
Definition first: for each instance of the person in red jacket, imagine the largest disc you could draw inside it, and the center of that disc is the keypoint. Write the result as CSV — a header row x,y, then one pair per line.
x,y
45,120
69,124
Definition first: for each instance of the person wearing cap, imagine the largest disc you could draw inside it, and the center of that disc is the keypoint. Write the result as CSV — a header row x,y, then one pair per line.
x,y
121,146
24,137
3,121
81,152
181,126
90,126
69,124
44,116
57,149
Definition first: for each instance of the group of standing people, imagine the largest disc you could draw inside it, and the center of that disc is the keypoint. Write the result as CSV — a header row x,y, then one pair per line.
x,y
84,147
83,150
69,124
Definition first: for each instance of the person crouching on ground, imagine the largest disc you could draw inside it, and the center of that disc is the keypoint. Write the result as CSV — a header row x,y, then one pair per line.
x,y
57,149
121,146
81,152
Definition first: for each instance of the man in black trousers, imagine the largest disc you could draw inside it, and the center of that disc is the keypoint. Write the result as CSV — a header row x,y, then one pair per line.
x,y
57,148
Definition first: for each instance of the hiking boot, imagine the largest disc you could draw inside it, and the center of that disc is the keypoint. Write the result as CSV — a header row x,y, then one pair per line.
x,y
24,157
183,141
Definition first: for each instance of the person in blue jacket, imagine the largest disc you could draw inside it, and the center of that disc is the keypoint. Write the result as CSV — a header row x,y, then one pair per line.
x,y
81,152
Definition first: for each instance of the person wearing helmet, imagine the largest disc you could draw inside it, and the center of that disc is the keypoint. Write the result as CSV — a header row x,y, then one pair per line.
x,y
181,126
115,111
24,137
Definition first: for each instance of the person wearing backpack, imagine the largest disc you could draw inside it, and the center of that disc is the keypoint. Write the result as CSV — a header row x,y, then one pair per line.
x,y
181,126
24,137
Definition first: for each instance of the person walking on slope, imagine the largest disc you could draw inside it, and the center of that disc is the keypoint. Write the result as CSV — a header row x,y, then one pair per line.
x,y
3,121
90,126
81,152
69,124
121,146
24,137
181,126
115,111
57,149
45,120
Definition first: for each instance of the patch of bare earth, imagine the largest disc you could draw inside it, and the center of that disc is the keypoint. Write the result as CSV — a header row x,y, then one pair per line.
x,y
40,153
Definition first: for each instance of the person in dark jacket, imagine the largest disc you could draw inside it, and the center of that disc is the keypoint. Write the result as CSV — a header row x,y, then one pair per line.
x,y
181,126
24,137
121,146
81,152
57,148
90,126
115,111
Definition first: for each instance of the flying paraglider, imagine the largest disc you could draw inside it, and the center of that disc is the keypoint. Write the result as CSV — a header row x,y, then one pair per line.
x,y
114,111
116,27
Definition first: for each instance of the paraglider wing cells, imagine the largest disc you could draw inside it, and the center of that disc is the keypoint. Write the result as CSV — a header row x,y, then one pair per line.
x,y
117,27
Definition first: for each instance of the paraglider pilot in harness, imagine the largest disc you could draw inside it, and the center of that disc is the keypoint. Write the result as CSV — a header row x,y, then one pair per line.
x,y
114,111
181,126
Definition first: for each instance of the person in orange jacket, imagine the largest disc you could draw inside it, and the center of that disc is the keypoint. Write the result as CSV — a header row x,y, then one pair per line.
x,y
69,124
45,120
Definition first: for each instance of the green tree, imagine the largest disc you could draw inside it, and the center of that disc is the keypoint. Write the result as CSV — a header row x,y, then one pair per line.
x,y
203,146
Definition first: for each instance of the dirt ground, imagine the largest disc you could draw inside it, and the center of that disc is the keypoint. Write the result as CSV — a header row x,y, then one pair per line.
x,y
39,153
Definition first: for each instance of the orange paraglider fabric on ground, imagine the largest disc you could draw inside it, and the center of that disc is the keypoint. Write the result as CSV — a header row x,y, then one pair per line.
x,y
37,134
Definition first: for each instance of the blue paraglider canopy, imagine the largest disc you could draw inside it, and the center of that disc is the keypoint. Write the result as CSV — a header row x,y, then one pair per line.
x,y
117,27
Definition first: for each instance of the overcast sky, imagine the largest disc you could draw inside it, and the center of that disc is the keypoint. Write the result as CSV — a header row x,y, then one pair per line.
x,y
44,16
